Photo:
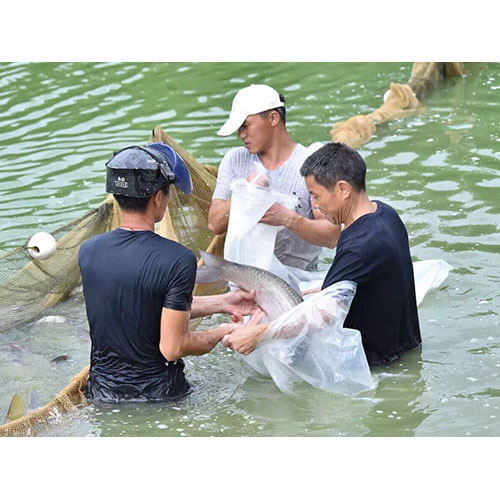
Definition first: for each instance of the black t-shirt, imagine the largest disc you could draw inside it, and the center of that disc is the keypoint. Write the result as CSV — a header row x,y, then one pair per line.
x,y
128,277
374,252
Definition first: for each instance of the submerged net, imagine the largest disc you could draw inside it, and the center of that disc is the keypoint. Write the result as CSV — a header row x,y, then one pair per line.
x,y
28,287
69,399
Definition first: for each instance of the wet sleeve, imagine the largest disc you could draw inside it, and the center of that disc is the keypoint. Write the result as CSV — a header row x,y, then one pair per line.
x,y
347,265
222,189
181,283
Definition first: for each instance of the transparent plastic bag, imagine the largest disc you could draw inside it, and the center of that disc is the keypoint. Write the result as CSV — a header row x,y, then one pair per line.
x,y
248,241
308,343
429,274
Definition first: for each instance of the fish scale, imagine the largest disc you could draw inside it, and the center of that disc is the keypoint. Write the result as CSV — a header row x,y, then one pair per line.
x,y
272,293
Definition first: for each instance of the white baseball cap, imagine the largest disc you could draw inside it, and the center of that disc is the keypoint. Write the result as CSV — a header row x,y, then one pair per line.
x,y
250,101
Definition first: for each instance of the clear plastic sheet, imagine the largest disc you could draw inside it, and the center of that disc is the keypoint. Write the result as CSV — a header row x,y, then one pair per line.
x,y
249,202
429,274
308,343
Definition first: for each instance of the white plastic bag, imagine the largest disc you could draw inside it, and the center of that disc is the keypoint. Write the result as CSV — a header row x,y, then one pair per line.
x,y
429,274
308,343
247,240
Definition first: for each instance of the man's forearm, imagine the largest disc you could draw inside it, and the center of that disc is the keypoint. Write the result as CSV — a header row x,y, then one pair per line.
x,y
206,305
319,232
196,343
218,216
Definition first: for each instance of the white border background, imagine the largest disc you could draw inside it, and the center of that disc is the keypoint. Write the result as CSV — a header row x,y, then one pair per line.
x,y
266,468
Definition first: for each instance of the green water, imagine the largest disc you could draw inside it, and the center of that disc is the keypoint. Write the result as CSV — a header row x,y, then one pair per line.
x,y
439,169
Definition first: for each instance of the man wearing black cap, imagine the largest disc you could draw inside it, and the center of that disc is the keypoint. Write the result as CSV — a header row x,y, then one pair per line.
x,y
138,287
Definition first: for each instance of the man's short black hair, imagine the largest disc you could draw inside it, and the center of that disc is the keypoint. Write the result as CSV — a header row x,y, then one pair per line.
x,y
281,110
336,162
131,204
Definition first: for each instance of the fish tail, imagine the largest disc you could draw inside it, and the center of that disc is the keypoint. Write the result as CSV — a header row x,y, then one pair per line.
x,y
16,408
212,269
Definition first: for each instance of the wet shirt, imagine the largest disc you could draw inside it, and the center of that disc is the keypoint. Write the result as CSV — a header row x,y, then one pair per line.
x,y
128,277
238,163
374,252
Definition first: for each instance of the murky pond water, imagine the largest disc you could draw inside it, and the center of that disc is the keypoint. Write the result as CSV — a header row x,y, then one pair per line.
x,y
440,169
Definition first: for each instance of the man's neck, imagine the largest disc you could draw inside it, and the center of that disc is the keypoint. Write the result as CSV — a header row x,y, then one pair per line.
x,y
137,221
361,206
278,152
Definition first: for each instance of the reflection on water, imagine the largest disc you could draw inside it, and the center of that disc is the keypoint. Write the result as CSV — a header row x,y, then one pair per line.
x,y
59,123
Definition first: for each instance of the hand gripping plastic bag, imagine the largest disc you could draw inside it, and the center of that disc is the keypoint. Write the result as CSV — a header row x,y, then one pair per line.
x,y
308,343
247,240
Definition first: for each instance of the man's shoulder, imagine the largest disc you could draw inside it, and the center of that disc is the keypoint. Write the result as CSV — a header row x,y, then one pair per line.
x,y
386,209
239,154
171,247
392,220
145,239
93,241
301,153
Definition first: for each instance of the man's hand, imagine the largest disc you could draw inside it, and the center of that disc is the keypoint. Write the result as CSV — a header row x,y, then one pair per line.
x,y
278,215
240,303
258,178
244,338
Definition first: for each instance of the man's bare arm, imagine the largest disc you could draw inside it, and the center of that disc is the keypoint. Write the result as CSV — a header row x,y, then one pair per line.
x,y
238,303
218,216
177,341
317,231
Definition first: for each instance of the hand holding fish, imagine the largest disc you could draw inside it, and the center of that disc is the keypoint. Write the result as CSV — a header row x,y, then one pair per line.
x,y
244,338
240,303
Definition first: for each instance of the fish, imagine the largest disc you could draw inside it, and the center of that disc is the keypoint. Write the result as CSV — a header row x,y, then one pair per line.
x,y
272,294
58,359
16,408
34,400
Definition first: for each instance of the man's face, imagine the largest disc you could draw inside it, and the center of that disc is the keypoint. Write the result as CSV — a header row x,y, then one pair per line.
x,y
256,133
331,202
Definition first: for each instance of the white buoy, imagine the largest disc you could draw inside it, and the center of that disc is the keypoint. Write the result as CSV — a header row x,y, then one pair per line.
x,y
42,245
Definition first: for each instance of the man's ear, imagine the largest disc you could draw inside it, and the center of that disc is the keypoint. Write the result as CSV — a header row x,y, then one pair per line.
x,y
344,188
156,199
274,118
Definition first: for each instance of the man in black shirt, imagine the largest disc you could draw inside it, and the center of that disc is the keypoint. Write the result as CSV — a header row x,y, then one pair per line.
x,y
372,251
138,287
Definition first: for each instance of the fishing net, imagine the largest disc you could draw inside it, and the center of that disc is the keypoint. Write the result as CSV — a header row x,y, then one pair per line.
x,y
186,219
28,286
69,399
399,100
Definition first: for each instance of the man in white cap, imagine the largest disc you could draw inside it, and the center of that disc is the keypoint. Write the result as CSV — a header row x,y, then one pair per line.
x,y
258,115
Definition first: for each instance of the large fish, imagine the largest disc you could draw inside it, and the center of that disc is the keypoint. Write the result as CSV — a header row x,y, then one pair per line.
x,y
272,294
